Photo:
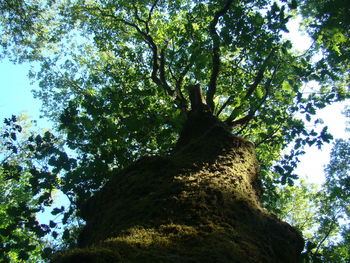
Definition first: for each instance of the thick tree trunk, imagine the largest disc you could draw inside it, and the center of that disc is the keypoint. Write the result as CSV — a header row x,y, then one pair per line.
x,y
200,204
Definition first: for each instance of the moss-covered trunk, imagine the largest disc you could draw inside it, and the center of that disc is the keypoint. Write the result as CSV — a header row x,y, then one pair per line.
x,y
199,204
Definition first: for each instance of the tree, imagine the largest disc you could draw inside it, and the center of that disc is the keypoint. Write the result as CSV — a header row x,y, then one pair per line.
x,y
322,213
328,24
335,205
123,79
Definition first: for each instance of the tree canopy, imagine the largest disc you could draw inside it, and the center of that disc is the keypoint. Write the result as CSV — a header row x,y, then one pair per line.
x,y
115,77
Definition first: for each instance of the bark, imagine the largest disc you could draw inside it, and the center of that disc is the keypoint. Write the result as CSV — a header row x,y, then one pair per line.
x,y
199,204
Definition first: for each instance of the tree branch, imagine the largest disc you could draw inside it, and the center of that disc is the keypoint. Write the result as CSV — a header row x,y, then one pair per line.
x,y
149,18
151,11
162,73
196,97
224,105
269,136
334,220
230,120
259,77
215,54
136,13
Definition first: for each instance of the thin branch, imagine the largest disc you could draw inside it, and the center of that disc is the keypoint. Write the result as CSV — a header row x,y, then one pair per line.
x,y
146,22
334,220
6,158
182,101
269,136
158,74
136,13
158,58
151,11
215,54
229,99
148,39
230,120
162,73
73,84
259,77
224,105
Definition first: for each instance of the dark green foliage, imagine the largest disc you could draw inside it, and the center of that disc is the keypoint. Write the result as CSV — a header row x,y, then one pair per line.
x,y
329,25
29,175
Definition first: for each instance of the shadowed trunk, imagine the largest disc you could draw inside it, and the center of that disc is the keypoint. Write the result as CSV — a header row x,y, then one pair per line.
x,y
199,204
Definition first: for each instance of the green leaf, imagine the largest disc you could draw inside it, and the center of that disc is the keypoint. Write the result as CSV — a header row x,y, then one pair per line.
x,y
259,92
286,86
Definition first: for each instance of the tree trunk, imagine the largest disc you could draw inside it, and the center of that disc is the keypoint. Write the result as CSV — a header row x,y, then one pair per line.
x,y
199,204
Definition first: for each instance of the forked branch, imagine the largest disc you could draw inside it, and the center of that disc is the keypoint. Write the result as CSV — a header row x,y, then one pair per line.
x,y
158,59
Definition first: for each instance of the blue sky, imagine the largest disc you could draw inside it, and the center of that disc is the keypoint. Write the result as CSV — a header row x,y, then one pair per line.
x,y
15,88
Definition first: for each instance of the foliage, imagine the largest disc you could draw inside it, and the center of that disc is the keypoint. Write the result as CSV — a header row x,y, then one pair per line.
x,y
322,215
335,207
328,24
18,208
104,63
28,180
115,78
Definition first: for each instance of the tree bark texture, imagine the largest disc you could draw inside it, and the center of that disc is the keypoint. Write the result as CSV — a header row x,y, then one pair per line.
x,y
199,204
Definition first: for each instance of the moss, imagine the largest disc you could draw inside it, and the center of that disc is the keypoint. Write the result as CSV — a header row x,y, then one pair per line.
x,y
88,255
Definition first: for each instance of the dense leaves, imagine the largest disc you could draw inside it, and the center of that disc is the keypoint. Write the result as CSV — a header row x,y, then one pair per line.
x,y
30,167
328,24
115,77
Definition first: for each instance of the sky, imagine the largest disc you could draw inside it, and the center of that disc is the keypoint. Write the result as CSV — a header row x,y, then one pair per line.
x,y
15,90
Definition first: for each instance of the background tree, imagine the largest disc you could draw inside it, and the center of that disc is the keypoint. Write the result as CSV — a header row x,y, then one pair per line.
x,y
20,230
322,213
327,22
